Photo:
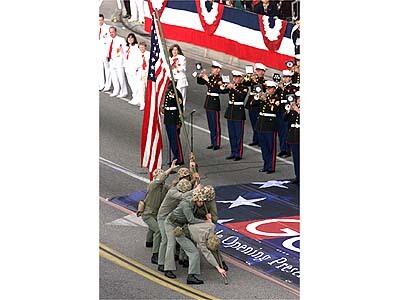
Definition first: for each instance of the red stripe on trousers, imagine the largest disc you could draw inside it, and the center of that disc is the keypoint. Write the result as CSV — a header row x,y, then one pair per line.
x,y
274,150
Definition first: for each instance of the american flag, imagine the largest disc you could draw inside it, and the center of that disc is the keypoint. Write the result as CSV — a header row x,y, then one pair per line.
x,y
157,83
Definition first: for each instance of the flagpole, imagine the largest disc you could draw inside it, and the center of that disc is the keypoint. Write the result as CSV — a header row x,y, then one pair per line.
x,y
162,40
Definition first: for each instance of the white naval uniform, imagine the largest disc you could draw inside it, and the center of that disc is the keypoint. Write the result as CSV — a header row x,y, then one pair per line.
x,y
180,75
117,66
137,10
131,54
140,81
104,66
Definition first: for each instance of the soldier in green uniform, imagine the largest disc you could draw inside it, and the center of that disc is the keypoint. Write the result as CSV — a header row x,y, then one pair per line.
x,y
180,216
156,191
173,197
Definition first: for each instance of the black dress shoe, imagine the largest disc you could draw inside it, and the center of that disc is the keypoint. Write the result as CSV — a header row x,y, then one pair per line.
x,y
126,16
253,144
210,147
191,279
287,154
185,264
225,266
230,157
169,274
149,244
262,170
217,147
237,158
295,181
154,258
270,172
178,164
160,268
282,153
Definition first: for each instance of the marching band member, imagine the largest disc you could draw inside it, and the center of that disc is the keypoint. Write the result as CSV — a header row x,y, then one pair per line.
x,y
104,66
129,58
178,66
235,114
212,103
293,118
286,90
140,78
115,56
267,127
253,103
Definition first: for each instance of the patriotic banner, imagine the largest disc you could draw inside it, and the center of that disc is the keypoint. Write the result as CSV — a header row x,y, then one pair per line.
x,y
236,32
157,83
259,224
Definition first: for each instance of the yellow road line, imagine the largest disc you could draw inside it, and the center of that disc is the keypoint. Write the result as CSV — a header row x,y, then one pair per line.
x,y
140,269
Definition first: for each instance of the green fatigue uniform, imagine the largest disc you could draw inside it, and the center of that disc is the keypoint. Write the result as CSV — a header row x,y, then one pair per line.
x,y
170,202
200,212
156,192
180,216
199,234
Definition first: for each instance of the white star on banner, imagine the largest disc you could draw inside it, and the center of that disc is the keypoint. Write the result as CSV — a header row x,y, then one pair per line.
x,y
270,183
221,221
242,201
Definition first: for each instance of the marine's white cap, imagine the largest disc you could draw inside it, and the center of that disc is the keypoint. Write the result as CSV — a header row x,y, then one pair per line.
x,y
237,73
216,64
287,73
270,83
260,66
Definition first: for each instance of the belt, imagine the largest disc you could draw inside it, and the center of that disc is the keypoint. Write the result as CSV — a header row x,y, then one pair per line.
x,y
267,115
236,103
295,125
252,93
170,108
284,101
213,94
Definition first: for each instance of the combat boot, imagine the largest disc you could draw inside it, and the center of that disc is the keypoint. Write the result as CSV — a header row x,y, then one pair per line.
x,y
154,258
160,268
192,279
169,274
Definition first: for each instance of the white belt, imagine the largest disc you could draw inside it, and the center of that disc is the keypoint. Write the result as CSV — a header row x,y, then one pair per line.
x,y
236,103
267,115
284,101
170,108
295,125
252,93
213,94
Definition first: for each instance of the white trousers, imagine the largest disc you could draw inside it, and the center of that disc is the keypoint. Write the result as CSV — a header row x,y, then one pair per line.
x,y
137,9
139,91
183,92
130,76
104,75
118,80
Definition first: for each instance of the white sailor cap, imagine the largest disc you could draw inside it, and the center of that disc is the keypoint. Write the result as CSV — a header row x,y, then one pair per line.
x,y
237,73
297,94
270,83
287,73
260,66
216,64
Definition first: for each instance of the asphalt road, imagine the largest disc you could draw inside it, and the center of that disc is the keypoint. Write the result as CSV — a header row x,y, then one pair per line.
x,y
121,174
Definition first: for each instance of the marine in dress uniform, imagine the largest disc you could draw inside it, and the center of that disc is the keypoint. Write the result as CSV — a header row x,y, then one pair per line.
x,y
212,103
253,103
166,257
286,90
235,114
173,123
267,127
115,56
180,216
293,118
104,66
156,191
